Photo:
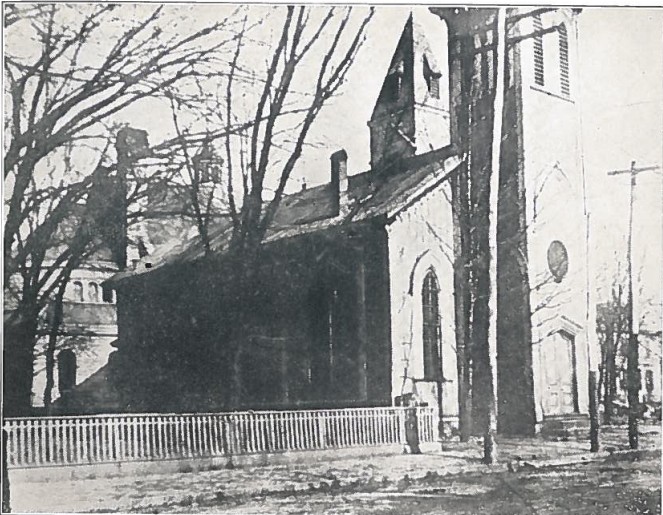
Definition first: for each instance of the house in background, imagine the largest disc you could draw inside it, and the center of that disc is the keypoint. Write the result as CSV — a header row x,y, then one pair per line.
x,y
88,334
359,304
651,366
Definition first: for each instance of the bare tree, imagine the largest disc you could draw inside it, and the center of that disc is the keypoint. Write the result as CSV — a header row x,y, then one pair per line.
x,y
84,64
313,51
248,145
612,332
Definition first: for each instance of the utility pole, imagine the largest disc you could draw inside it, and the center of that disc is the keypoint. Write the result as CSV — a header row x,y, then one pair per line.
x,y
632,367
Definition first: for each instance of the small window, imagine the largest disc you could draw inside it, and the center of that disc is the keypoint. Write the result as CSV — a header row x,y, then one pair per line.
x,y
434,88
66,370
538,52
432,79
107,294
78,291
564,61
93,292
432,331
649,381
392,86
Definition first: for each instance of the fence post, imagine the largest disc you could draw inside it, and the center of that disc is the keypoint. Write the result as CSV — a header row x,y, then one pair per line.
x,y
412,429
6,508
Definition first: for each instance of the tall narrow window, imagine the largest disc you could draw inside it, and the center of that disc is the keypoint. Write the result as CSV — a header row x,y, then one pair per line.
x,y
564,60
432,79
66,370
78,291
649,381
107,294
431,326
392,85
93,292
538,52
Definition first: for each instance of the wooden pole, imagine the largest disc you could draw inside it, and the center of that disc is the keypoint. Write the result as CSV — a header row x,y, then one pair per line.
x,y
489,443
591,366
632,369
632,355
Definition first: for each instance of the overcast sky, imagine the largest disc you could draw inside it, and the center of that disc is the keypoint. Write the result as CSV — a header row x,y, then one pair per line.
x,y
622,100
621,94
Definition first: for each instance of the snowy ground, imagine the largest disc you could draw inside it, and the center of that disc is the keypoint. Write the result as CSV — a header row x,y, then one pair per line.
x,y
533,476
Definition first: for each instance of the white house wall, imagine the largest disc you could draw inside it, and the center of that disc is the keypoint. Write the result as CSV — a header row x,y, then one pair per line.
x,y
92,349
421,238
91,355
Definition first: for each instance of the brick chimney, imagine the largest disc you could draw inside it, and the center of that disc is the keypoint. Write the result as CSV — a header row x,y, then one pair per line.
x,y
339,182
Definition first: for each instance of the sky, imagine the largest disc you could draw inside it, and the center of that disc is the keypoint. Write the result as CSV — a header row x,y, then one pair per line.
x,y
621,99
621,56
621,102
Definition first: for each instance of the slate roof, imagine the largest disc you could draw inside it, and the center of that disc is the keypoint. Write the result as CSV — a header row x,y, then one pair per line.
x,y
371,194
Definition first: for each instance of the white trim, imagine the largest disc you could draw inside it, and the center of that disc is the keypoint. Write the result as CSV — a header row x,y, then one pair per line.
x,y
563,323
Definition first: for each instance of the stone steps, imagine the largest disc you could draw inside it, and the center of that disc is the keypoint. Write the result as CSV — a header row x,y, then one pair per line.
x,y
565,426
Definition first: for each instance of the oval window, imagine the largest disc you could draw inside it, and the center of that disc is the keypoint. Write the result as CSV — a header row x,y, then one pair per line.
x,y
558,260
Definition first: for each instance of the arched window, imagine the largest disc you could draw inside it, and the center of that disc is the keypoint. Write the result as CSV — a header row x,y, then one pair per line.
x,y
93,293
107,294
393,82
538,52
432,333
78,291
66,370
564,60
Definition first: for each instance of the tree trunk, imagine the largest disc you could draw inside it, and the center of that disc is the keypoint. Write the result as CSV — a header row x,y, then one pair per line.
x,y
50,365
593,413
18,357
610,383
489,443
461,70
56,315
242,288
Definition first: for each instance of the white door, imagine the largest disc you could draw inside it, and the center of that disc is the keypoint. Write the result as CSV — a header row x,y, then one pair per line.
x,y
558,361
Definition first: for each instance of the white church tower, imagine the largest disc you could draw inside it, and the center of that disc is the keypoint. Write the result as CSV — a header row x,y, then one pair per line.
x,y
562,327
545,333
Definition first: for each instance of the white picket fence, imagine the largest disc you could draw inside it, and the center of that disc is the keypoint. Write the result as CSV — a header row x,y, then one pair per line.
x,y
45,441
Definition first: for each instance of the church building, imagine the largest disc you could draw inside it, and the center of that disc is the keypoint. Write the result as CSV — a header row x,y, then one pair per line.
x,y
366,298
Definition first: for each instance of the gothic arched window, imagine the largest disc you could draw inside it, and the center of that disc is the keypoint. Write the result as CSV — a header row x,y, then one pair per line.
x,y
66,370
393,83
538,52
432,331
564,60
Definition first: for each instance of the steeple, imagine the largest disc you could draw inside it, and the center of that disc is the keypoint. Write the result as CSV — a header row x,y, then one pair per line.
x,y
411,115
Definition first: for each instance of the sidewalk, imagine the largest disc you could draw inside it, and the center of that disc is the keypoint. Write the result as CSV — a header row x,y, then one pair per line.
x,y
219,490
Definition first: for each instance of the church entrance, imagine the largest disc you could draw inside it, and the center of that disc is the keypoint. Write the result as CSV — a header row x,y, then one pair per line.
x,y
560,392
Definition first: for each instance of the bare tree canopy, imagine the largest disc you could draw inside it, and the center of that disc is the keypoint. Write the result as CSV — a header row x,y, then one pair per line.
x,y
243,88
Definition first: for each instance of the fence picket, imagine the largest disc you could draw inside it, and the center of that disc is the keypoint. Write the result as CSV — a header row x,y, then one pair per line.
x,y
115,438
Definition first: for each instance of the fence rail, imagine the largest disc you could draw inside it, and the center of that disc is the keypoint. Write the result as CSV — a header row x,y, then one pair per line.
x,y
35,442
